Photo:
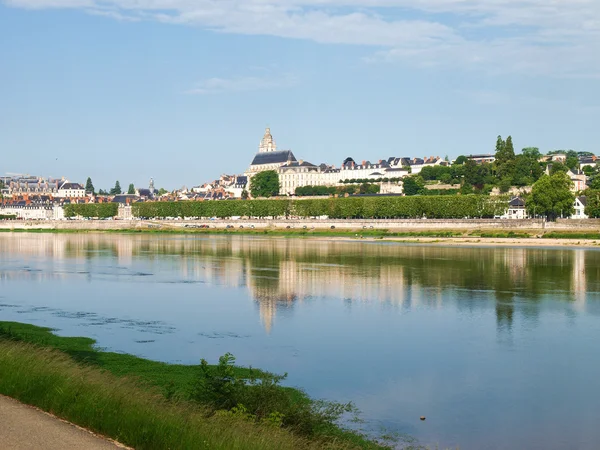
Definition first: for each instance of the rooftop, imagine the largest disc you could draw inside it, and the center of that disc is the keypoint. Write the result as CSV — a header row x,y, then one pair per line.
x,y
277,157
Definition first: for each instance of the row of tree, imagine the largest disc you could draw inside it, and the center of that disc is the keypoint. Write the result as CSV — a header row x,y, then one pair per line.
x,y
92,210
364,188
116,190
433,207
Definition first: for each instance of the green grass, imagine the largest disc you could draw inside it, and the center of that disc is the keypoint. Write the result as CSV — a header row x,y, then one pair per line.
x,y
502,235
571,235
143,403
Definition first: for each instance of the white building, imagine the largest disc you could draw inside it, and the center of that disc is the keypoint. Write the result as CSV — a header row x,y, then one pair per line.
x,y
34,212
516,209
579,205
66,189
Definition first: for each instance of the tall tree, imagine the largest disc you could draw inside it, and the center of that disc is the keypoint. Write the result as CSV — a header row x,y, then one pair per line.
x,y
505,157
265,184
413,185
592,209
89,186
531,152
117,189
461,159
572,162
551,196
131,189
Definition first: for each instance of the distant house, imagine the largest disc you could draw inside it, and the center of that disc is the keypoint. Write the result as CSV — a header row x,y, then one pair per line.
x,y
579,205
587,161
125,199
516,209
67,189
480,159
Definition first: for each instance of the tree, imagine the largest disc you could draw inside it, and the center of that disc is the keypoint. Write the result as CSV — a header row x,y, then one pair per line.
x,y
531,152
102,192
526,171
265,184
461,159
557,166
89,186
505,157
572,162
117,189
592,208
466,188
244,194
413,185
162,191
551,196
131,189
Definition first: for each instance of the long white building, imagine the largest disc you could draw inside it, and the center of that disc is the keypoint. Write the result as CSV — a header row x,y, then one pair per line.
x,y
294,173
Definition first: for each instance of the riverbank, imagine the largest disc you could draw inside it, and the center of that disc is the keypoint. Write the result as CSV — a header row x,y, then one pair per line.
x,y
580,237
151,405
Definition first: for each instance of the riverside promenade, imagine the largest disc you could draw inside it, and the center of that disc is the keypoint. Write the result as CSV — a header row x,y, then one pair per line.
x,y
23,427
392,225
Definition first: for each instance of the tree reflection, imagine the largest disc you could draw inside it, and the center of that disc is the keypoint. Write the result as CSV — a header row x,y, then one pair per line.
x,y
280,272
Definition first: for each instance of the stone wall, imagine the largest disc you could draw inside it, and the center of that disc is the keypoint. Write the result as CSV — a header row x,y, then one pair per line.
x,y
392,225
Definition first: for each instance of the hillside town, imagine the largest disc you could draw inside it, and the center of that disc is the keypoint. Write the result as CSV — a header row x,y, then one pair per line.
x,y
40,198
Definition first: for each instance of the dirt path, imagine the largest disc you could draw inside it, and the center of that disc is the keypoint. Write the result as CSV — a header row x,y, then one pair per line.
x,y
25,428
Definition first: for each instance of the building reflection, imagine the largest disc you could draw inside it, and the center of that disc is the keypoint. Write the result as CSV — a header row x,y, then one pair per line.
x,y
280,273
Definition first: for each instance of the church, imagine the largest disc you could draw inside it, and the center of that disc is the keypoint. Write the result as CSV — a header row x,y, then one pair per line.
x,y
268,157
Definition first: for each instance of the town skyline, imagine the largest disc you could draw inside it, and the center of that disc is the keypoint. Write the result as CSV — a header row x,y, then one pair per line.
x,y
184,93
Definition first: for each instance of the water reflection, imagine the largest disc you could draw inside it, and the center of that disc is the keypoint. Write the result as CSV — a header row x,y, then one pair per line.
x,y
492,344
282,272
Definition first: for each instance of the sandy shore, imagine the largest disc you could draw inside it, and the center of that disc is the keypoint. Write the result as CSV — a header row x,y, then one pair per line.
x,y
475,241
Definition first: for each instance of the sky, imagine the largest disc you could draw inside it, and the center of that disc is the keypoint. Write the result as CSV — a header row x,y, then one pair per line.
x,y
182,90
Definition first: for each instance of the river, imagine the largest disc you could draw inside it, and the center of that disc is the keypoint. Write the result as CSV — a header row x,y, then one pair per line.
x,y
497,347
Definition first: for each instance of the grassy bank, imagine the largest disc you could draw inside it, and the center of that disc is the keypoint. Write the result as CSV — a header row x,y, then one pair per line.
x,y
152,405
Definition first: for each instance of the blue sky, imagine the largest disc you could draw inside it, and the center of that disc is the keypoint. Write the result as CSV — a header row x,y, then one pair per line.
x,y
181,90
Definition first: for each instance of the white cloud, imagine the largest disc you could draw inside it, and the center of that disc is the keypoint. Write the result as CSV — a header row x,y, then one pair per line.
x,y
242,84
539,37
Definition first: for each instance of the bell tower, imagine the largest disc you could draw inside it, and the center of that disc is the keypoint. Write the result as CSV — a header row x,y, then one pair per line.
x,y
267,143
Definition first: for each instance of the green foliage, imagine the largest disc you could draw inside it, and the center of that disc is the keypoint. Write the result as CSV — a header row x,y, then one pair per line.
x,y
162,191
92,210
531,152
592,208
102,192
8,216
461,160
505,157
265,184
168,405
475,174
413,185
431,206
368,188
551,197
572,162
89,186
526,171
131,189
117,189
557,166
305,191
504,185
245,194
466,188
262,399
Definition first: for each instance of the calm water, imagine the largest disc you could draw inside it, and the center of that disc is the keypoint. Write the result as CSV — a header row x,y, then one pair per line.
x,y
497,347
